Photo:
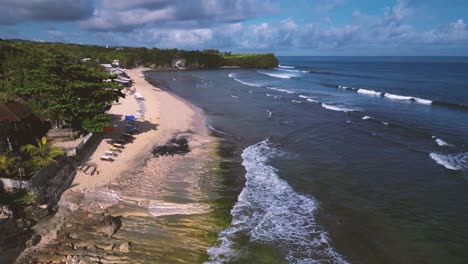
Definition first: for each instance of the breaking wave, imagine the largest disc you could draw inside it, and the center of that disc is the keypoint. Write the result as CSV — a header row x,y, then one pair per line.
x,y
247,83
457,162
282,75
268,210
337,108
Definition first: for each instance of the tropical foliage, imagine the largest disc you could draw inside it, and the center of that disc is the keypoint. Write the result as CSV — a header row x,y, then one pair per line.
x,y
43,153
8,164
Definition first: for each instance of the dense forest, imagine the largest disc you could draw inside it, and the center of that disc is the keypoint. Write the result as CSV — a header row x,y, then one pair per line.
x,y
53,79
65,85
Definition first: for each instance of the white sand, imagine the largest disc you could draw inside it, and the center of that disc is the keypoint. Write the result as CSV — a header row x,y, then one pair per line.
x,y
165,115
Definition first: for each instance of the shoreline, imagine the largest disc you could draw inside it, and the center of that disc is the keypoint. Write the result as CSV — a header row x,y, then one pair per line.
x,y
135,184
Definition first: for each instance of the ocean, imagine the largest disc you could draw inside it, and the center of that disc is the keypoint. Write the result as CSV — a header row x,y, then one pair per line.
x,y
340,159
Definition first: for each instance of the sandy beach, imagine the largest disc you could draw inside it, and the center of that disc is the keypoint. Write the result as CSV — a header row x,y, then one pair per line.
x,y
165,115
137,188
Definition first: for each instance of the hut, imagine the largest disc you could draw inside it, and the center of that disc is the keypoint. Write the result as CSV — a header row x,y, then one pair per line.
x,y
18,125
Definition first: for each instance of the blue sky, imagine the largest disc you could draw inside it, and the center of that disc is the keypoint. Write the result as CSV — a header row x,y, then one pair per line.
x,y
301,27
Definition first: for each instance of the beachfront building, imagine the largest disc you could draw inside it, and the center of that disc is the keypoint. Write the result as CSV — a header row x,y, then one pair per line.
x,y
18,125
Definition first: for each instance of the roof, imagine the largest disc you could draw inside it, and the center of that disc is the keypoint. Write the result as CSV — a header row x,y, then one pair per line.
x,y
14,111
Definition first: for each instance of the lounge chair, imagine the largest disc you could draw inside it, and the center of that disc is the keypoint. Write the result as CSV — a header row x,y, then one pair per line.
x,y
106,158
117,145
110,153
116,149
127,135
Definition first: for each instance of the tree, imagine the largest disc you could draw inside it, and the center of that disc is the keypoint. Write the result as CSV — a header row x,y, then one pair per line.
x,y
44,153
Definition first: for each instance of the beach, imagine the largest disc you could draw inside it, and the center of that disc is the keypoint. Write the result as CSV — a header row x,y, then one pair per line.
x,y
137,191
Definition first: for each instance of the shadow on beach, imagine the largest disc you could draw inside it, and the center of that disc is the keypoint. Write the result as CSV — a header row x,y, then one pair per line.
x,y
119,128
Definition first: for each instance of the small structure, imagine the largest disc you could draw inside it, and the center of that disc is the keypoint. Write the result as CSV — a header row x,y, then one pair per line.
x,y
85,60
116,63
18,125
178,63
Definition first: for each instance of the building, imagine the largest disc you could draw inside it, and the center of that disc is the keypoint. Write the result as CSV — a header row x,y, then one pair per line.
x,y
18,125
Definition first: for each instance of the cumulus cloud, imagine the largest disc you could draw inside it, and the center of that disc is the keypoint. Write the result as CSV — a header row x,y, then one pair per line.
x,y
15,11
455,32
120,15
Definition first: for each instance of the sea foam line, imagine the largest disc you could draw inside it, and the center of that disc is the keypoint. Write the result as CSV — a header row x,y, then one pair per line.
x,y
268,210
387,95
247,83
455,162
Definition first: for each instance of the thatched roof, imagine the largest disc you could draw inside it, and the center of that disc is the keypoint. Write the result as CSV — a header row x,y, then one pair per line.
x,y
14,111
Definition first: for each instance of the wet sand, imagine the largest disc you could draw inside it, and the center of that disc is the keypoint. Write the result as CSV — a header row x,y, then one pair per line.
x,y
162,206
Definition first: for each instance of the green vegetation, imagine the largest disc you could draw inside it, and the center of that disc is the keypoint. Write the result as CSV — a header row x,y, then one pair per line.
x,y
27,198
267,60
43,154
8,164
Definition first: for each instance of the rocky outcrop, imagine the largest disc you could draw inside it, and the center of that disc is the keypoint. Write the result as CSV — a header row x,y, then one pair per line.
x,y
108,225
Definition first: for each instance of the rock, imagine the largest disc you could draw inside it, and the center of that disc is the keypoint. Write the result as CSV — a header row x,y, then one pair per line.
x,y
23,223
108,225
34,240
91,247
94,259
125,247
73,236
105,247
82,244
36,213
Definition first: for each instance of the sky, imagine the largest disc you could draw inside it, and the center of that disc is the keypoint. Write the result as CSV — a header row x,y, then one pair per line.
x,y
294,27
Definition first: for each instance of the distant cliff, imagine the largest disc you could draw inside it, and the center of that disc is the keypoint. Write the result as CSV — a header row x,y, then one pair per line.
x,y
266,60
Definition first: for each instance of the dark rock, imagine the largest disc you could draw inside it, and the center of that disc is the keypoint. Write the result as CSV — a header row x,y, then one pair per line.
x,y
36,213
108,225
125,247
23,223
34,240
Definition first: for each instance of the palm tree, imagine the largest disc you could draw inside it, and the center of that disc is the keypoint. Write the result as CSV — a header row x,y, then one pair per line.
x,y
44,153
8,164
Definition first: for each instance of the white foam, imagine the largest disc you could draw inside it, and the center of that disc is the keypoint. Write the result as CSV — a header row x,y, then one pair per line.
x,y
218,131
269,113
369,92
282,75
288,70
268,210
280,90
296,101
337,108
312,100
408,98
233,96
247,83
286,67
304,96
423,101
398,97
344,87
441,142
367,117
232,75
451,161
269,95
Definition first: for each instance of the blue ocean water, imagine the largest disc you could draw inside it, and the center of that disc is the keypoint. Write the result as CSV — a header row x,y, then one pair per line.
x,y
347,159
